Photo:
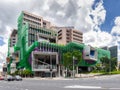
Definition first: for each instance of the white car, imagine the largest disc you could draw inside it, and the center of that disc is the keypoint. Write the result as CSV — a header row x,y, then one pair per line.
x,y
8,78
18,78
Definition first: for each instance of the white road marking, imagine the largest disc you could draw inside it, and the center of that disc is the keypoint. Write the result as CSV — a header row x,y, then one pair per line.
x,y
115,88
90,87
79,86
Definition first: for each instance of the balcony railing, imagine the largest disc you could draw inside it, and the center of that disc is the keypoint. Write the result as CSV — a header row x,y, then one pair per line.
x,y
45,67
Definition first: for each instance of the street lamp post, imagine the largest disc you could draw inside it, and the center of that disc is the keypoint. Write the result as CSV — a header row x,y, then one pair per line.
x,y
51,71
73,66
109,66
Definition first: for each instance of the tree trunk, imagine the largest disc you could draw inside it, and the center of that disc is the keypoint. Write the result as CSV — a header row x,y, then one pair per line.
x,y
66,73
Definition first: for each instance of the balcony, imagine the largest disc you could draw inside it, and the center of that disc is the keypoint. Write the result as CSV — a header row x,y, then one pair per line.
x,y
44,67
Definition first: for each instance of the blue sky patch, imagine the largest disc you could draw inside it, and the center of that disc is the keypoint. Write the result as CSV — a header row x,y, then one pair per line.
x,y
1,41
112,8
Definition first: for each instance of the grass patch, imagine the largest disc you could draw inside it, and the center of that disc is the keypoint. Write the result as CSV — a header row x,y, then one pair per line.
x,y
115,72
105,73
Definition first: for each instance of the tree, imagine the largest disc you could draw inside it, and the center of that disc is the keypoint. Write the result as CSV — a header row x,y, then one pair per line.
x,y
113,63
26,73
109,64
78,55
97,67
15,73
106,64
105,61
68,59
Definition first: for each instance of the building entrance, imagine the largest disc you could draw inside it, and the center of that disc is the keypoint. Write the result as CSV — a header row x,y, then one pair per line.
x,y
44,64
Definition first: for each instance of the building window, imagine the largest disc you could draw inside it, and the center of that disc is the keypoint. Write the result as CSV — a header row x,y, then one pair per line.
x,y
59,31
44,23
59,38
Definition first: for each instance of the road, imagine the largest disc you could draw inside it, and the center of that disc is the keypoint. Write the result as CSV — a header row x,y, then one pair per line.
x,y
94,83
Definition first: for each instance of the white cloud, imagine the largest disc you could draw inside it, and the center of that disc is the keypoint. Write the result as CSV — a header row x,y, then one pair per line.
x,y
102,38
115,32
116,29
83,21
0,24
3,54
45,7
99,13
60,13
85,3
95,17
97,39
1,65
117,21
62,2
4,48
90,19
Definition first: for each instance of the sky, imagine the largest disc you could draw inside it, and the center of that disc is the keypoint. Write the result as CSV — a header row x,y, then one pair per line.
x,y
99,20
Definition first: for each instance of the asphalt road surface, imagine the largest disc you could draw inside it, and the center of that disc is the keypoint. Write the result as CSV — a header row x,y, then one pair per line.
x,y
95,83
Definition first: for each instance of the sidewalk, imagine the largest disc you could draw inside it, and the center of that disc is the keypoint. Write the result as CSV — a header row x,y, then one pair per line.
x,y
63,78
76,77
85,75
54,78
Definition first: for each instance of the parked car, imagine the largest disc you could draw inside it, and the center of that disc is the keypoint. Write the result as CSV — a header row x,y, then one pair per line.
x,y
9,78
18,78
1,78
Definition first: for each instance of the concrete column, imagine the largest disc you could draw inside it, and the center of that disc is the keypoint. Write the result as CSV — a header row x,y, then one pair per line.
x,y
51,65
59,71
32,61
77,69
50,59
57,63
